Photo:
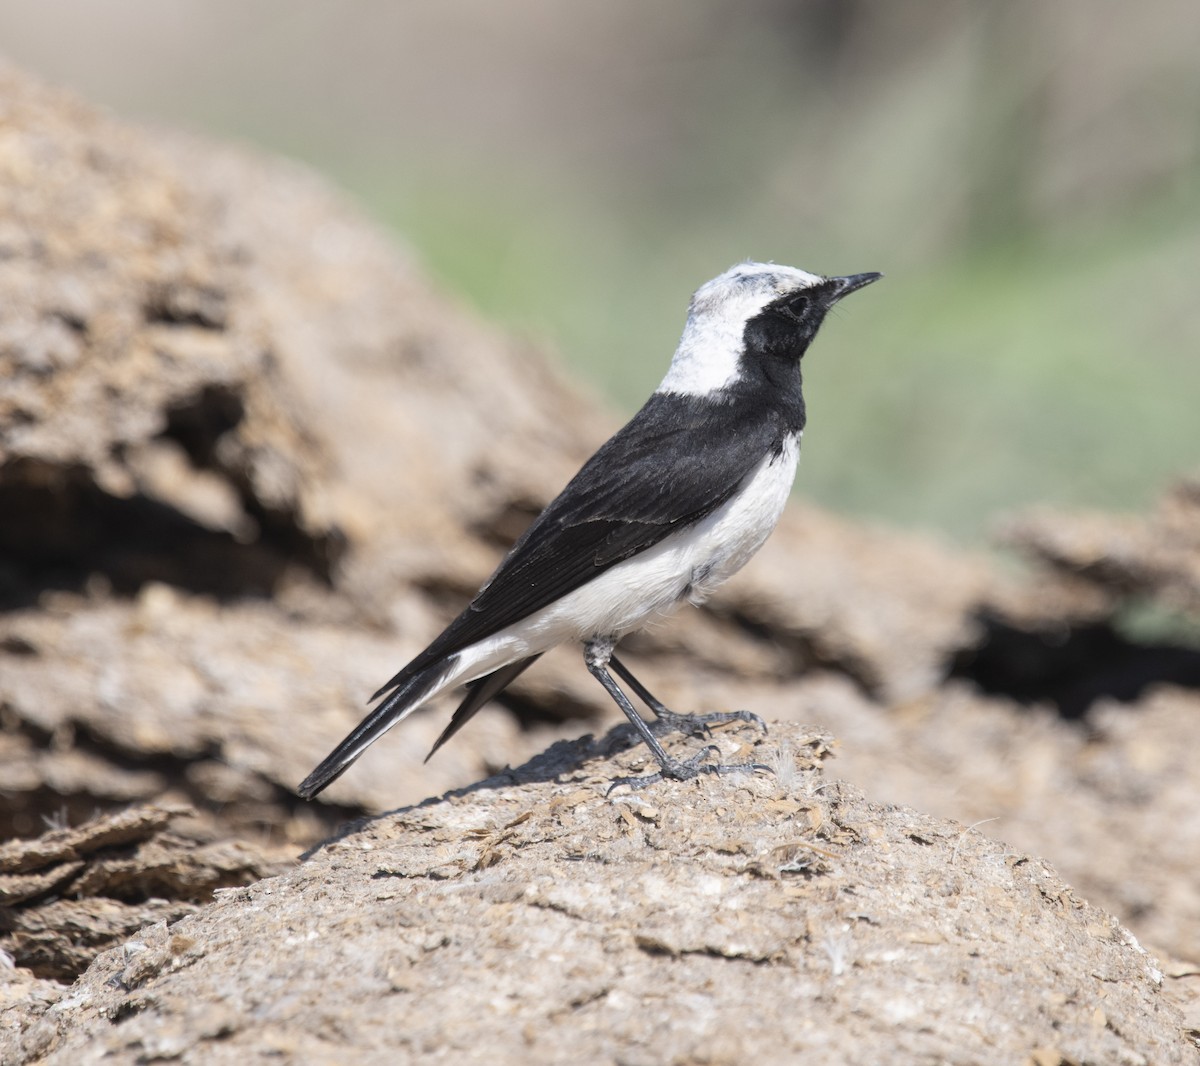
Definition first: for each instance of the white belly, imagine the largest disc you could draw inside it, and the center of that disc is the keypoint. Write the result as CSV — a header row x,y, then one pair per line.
x,y
687,565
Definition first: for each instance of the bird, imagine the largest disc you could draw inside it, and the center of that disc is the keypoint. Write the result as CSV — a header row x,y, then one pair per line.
x,y
665,511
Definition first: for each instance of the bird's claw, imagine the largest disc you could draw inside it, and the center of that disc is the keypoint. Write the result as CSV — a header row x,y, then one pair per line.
x,y
686,769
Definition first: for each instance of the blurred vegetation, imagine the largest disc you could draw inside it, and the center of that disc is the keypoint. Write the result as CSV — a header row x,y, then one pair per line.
x,y
1027,175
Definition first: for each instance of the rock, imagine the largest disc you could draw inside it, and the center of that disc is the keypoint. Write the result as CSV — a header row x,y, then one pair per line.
x,y
1123,556
70,893
532,918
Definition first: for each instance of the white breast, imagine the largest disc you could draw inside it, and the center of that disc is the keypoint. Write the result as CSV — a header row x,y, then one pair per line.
x,y
730,536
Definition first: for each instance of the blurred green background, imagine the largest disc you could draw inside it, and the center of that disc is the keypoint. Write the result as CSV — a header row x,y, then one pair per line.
x,y
1026,173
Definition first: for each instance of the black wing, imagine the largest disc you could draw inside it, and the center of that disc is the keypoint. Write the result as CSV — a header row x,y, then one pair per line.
x,y
676,461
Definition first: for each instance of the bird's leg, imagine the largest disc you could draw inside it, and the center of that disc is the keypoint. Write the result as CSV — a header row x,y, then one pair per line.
x,y
696,725
598,654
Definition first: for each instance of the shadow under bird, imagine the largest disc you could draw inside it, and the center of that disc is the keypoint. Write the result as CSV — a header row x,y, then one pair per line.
x,y
670,507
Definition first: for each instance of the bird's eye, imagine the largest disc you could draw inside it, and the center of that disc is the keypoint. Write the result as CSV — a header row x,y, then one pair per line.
x,y
798,305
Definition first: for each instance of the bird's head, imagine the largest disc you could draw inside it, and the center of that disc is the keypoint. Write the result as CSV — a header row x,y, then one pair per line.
x,y
750,318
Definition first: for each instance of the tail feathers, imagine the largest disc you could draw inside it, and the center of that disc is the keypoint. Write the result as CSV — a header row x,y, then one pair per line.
x,y
479,692
402,678
408,693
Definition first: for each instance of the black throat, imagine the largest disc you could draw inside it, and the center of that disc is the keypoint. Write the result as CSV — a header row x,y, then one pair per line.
x,y
769,377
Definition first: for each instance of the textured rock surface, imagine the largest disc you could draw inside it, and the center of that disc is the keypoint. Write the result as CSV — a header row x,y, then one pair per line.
x,y
72,892
250,462
532,919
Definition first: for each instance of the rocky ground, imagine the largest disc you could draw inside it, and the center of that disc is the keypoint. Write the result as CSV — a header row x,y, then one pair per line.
x,y
250,461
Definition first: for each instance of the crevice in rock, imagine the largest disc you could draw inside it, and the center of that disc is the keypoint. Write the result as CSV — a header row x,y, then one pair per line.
x,y
62,529
251,804
201,307
1070,667
58,529
200,421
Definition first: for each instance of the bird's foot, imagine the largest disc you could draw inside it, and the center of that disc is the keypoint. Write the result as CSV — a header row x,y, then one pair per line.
x,y
699,725
686,769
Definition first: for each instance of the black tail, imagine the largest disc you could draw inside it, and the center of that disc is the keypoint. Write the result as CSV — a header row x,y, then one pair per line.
x,y
479,692
408,692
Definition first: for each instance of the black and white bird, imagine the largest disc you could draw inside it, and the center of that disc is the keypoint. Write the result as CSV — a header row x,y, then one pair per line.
x,y
670,507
